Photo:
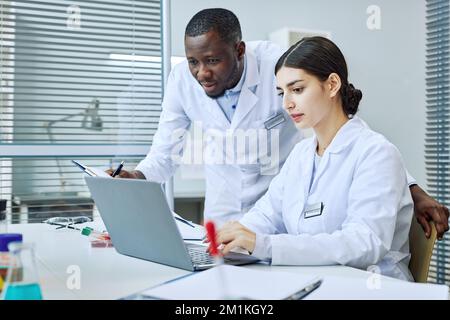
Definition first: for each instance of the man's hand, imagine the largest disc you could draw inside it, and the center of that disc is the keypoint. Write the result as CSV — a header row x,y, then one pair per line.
x,y
233,234
427,209
135,174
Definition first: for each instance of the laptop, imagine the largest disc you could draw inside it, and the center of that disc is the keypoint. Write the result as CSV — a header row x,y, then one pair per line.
x,y
141,225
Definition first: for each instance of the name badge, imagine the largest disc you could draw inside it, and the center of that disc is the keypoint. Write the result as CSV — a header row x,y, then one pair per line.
x,y
274,121
314,210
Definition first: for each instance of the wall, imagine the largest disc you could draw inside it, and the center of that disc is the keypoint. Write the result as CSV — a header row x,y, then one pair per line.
x,y
388,65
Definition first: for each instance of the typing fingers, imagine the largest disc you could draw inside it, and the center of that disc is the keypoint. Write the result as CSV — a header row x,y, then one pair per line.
x,y
230,246
226,236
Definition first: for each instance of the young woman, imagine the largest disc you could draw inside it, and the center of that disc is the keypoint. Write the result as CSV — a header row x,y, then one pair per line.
x,y
342,196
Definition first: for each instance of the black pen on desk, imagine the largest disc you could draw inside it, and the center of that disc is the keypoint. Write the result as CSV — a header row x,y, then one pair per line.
x,y
119,168
305,291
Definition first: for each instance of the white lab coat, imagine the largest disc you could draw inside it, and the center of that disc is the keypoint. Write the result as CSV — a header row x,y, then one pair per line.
x,y
367,213
231,188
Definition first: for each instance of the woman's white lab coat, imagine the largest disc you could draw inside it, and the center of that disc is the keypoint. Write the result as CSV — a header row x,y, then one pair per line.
x,y
367,206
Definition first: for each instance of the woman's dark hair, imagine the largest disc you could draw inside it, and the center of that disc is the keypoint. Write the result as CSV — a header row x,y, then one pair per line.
x,y
320,57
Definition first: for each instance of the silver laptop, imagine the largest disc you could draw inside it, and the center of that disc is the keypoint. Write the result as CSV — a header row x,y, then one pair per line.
x,y
141,225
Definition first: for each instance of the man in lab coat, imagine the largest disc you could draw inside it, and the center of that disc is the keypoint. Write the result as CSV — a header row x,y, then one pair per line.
x,y
226,92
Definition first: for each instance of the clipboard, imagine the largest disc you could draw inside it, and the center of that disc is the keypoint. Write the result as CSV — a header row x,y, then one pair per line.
x,y
93,172
241,283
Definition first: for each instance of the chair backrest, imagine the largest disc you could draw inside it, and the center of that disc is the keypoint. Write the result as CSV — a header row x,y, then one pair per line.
x,y
421,250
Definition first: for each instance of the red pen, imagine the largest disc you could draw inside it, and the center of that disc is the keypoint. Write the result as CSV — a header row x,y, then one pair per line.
x,y
211,234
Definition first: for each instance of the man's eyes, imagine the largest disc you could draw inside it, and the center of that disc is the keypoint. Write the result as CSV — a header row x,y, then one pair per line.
x,y
209,61
213,61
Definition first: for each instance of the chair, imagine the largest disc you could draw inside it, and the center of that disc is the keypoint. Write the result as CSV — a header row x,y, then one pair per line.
x,y
421,250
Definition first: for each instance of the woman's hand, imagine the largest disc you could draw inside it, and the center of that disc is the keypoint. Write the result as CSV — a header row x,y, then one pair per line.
x,y
233,234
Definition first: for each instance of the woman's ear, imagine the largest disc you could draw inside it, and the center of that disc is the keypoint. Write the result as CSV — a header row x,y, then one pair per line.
x,y
334,84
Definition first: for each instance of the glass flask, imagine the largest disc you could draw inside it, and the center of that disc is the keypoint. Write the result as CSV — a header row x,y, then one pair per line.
x,y
5,240
22,278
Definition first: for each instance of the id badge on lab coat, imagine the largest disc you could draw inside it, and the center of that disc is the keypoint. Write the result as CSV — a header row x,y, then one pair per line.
x,y
313,210
274,121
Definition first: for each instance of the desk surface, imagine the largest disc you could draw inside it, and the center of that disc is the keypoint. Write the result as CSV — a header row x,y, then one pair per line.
x,y
106,274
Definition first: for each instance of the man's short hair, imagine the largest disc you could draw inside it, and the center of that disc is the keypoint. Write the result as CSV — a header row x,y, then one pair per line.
x,y
222,21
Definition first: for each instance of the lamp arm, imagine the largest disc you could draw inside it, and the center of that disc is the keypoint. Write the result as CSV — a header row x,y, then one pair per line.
x,y
51,123
48,127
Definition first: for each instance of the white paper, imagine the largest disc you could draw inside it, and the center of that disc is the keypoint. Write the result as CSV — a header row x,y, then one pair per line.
x,y
187,232
177,215
231,282
93,172
99,172
376,287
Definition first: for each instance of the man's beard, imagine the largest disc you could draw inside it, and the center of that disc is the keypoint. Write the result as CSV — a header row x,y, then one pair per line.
x,y
232,81
215,96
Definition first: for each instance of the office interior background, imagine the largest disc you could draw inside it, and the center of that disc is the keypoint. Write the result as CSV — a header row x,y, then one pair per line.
x,y
84,80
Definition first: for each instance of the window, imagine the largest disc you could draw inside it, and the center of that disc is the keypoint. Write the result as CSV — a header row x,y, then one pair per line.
x,y
79,80
438,123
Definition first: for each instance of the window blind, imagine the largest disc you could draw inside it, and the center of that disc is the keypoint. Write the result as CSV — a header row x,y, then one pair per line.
x,y
43,190
438,123
79,80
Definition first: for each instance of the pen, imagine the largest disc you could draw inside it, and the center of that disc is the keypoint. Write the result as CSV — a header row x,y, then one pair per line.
x,y
79,165
214,251
85,169
119,168
184,221
305,291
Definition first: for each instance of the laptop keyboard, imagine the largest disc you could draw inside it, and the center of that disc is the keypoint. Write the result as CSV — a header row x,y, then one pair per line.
x,y
200,256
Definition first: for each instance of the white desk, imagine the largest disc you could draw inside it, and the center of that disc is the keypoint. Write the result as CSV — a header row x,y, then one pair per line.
x,y
105,274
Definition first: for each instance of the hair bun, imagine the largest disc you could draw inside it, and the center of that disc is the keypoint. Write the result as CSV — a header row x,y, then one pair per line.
x,y
352,97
